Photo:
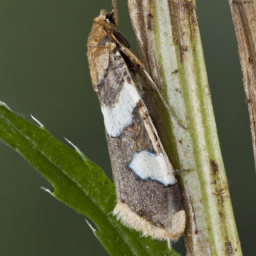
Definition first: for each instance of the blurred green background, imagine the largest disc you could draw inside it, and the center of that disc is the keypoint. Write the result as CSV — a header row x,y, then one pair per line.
x,y
44,72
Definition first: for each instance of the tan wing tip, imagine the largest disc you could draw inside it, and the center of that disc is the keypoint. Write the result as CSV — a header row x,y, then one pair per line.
x,y
132,220
178,224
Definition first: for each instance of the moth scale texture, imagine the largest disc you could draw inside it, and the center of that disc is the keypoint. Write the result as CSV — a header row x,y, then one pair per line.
x,y
148,196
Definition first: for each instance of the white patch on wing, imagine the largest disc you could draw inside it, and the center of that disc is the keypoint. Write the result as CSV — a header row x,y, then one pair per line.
x,y
151,166
119,116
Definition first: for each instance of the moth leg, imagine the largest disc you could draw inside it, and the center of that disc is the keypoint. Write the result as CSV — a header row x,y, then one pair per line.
x,y
169,243
178,172
101,43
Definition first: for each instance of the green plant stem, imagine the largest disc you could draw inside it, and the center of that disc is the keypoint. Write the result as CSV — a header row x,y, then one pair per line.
x,y
170,47
244,15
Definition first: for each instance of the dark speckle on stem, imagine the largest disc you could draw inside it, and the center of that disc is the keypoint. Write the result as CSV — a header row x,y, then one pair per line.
x,y
214,166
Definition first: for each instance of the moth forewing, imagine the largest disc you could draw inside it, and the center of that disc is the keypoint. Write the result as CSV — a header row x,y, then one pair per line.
x,y
148,196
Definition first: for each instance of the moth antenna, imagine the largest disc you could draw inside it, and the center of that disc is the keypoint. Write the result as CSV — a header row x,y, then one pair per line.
x,y
162,98
115,16
158,76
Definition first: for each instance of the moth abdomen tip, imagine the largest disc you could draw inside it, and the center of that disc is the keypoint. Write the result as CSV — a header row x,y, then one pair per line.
x,y
133,220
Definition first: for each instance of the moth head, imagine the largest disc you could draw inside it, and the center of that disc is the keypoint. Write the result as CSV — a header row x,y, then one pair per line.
x,y
107,17
110,17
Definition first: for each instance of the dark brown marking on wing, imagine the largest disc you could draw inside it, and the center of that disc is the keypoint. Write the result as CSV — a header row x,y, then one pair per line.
x,y
148,198
111,86
121,39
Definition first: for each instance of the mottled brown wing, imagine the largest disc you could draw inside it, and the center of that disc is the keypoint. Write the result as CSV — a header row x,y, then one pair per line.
x,y
145,204
148,196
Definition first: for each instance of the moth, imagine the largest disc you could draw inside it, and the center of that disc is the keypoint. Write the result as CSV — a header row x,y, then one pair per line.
x,y
148,196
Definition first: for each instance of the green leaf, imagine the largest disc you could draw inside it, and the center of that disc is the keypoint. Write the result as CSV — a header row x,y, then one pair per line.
x,y
77,182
